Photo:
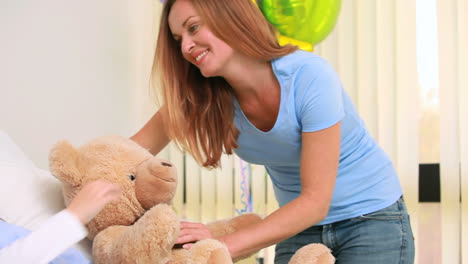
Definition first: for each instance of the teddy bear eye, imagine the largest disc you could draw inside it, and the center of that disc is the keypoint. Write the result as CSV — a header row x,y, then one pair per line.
x,y
132,177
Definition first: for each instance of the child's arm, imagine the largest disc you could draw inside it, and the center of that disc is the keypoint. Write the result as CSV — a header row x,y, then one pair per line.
x,y
57,234
62,230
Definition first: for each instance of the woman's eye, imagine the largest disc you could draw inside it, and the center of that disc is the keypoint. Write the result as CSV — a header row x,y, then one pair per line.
x,y
193,27
132,177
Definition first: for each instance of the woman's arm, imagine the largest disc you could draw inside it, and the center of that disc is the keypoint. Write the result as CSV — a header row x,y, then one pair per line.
x,y
319,167
153,135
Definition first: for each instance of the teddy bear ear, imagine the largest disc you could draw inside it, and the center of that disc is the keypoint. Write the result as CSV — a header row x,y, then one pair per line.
x,y
63,159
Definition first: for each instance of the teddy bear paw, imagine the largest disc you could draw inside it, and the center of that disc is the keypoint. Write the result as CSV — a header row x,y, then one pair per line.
x,y
160,225
209,251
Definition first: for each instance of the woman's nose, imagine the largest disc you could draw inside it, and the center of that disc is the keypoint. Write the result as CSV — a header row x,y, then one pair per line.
x,y
187,45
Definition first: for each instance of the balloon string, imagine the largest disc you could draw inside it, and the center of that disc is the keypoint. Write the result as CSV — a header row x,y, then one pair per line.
x,y
245,198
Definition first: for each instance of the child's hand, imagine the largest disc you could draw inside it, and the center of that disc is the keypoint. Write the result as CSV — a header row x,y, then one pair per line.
x,y
90,200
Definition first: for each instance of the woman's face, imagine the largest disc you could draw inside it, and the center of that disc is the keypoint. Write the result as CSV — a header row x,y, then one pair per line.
x,y
198,44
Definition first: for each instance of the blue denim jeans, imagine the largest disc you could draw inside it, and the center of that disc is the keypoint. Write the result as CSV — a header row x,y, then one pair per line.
x,y
383,236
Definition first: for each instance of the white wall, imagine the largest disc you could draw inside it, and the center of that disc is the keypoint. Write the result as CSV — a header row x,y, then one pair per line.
x,y
74,70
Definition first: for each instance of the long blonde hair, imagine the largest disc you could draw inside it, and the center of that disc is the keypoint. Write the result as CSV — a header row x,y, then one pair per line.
x,y
199,111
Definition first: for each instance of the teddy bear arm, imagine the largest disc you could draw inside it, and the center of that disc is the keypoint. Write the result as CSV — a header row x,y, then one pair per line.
x,y
209,251
149,240
119,244
179,256
104,243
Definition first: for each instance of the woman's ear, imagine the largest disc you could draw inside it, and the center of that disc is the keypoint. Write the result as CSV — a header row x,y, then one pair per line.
x,y
63,160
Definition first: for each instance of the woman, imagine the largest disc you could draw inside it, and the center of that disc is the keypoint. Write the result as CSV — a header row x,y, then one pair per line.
x,y
229,86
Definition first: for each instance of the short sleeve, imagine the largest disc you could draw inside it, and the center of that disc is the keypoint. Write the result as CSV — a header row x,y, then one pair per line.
x,y
319,96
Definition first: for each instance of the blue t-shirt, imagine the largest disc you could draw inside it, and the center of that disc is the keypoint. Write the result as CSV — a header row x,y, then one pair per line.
x,y
312,99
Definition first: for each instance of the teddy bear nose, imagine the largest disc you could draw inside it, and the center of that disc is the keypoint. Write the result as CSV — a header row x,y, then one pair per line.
x,y
166,164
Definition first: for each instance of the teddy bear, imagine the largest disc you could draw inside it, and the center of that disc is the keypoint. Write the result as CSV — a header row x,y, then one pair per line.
x,y
141,226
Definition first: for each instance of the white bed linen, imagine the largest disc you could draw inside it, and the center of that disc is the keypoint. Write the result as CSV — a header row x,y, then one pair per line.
x,y
28,195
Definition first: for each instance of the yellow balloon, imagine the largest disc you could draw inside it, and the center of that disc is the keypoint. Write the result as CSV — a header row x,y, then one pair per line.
x,y
306,20
283,40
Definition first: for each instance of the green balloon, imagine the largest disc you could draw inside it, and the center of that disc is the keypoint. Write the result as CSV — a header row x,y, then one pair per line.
x,y
306,20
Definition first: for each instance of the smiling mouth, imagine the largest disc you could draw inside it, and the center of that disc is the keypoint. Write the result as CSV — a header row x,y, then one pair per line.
x,y
199,57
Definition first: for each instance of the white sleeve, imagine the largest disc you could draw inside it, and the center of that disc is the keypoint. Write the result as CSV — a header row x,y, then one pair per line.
x,y
53,237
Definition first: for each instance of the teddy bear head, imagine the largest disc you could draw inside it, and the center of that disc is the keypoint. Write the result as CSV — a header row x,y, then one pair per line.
x,y
144,180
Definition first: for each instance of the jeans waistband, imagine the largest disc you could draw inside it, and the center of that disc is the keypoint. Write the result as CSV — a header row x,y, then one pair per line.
x,y
400,201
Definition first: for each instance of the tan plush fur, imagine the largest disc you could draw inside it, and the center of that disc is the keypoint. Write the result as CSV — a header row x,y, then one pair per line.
x,y
313,254
141,227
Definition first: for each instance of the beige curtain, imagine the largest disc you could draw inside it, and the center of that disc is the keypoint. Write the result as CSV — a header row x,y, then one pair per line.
x,y
453,58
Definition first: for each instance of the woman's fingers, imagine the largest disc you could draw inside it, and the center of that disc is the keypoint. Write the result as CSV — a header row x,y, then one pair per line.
x,y
185,224
187,246
186,239
196,232
192,236
192,232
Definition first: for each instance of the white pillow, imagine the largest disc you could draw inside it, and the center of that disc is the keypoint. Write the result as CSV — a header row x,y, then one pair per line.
x,y
28,195
10,153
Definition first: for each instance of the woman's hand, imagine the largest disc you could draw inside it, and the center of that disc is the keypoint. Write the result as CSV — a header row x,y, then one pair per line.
x,y
191,233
